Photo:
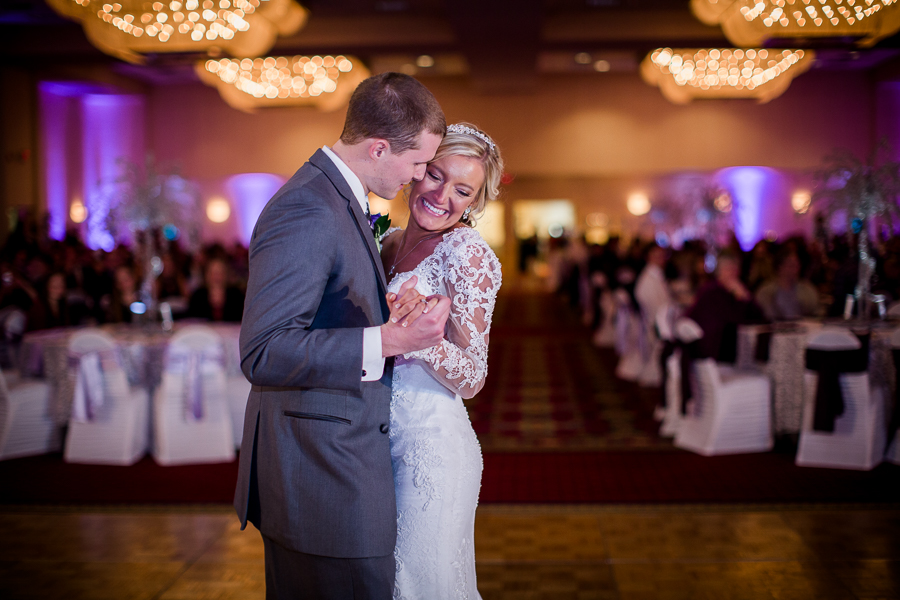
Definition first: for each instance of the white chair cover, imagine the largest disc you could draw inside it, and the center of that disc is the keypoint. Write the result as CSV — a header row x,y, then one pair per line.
x,y
238,393
730,412
893,452
26,428
629,337
857,441
671,415
651,373
110,419
192,417
894,310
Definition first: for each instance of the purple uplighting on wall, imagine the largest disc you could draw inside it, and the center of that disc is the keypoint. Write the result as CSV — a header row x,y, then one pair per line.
x,y
86,130
756,193
249,193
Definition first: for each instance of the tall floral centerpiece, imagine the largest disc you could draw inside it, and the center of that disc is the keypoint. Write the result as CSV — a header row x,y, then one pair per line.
x,y
866,191
151,206
696,209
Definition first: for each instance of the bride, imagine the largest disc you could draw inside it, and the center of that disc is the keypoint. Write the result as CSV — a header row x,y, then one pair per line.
x,y
435,454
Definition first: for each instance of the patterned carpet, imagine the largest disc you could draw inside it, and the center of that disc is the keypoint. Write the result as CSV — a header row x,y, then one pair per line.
x,y
555,424
549,389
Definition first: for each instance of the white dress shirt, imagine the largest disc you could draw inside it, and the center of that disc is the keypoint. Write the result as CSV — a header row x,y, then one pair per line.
x,y
651,292
373,362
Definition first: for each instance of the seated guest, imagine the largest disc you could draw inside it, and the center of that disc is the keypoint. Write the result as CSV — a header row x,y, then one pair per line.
x,y
171,282
786,296
51,309
721,305
125,292
651,290
217,300
652,294
760,267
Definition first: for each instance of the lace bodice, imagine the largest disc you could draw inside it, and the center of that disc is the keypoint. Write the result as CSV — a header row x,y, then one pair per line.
x,y
465,269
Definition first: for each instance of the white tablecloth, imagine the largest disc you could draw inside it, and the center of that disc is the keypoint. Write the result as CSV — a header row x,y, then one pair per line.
x,y
787,363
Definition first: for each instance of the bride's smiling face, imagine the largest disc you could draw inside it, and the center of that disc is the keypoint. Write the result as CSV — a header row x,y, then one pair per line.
x,y
450,185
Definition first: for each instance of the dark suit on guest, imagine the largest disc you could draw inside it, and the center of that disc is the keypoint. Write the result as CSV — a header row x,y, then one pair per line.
x,y
315,468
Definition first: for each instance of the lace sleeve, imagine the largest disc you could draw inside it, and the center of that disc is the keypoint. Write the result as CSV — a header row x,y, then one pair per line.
x,y
471,276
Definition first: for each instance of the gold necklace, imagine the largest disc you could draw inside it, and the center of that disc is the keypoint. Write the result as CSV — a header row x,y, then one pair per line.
x,y
396,262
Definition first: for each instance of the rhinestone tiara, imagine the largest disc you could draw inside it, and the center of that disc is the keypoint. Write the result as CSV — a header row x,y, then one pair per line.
x,y
458,128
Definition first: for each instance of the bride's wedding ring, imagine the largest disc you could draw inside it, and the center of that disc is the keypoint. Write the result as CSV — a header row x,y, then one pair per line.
x,y
425,300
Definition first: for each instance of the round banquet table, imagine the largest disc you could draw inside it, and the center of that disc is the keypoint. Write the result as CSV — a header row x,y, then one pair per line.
x,y
786,363
140,349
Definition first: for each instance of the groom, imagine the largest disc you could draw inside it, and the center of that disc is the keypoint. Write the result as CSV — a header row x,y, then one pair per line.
x,y
315,468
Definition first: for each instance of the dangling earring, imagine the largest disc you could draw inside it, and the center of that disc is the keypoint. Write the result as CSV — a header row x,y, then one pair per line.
x,y
466,213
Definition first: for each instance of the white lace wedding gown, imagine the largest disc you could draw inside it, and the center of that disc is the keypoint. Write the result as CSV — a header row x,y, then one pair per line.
x,y
436,456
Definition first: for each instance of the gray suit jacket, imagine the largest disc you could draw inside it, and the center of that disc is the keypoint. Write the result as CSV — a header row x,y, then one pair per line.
x,y
315,445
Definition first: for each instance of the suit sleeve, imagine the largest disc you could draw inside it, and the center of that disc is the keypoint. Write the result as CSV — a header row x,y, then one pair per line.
x,y
292,256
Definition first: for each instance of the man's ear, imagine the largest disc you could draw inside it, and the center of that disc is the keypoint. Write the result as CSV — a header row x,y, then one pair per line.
x,y
379,148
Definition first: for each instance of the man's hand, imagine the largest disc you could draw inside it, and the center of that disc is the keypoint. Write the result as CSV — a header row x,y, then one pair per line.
x,y
416,322
408,304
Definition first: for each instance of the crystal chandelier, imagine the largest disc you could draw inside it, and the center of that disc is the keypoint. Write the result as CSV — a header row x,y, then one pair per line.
x,y
752,22
131,29
322,81
685,74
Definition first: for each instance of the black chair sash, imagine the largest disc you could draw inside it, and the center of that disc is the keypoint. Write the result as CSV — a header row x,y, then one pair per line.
x,y
895,413
728,344
763,346
690,351
830,364
667,351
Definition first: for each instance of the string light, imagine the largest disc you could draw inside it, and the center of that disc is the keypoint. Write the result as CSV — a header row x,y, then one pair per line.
x,y
684,74
183,25
638,204
282,80
752,22
77,211
800,202
218,210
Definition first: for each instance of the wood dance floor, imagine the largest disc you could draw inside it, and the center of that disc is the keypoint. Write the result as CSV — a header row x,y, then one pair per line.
x,y
523,552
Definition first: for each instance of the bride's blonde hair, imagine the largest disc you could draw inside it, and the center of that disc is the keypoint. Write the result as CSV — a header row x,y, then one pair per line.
x,y
475,144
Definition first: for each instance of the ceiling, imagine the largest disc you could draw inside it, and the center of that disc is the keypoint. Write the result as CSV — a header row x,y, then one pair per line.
x,y
503,46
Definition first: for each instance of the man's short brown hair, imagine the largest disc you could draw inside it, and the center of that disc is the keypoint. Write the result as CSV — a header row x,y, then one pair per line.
x,y
392,107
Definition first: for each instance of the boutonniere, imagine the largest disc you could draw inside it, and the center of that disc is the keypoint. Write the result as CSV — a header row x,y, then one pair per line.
x,y
380,224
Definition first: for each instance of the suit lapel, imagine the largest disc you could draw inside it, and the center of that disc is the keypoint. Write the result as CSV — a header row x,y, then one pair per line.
x,y
323,162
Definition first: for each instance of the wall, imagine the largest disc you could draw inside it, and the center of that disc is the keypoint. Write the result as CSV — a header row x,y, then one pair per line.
x,y
18,176
586,126
591,139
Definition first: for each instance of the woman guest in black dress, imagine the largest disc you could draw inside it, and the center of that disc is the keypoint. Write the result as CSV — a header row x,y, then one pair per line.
x,y
217,300
721,305
51,309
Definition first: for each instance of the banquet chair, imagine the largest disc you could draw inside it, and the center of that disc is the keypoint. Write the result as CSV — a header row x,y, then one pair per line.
x,y
12,326
629,338
238,393
730,412
893,451
858,436
671,415
110,418
894,310
191,415
26,427
605,335
651,372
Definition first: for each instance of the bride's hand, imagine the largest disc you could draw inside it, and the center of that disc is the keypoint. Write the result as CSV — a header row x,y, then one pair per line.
x,y
408,304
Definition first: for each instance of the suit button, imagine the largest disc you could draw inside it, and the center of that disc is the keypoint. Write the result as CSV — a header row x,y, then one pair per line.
x,y
383,428
364,373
